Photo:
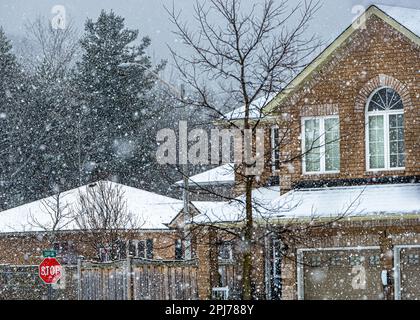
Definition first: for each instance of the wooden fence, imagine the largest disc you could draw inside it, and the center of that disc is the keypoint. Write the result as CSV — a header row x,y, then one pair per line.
x,y
138,279
131,279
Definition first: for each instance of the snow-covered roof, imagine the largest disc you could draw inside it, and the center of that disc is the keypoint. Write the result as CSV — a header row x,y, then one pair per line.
x,y
355,201
234,210
204,206
408,17
223,174
151,210
255,109
387,199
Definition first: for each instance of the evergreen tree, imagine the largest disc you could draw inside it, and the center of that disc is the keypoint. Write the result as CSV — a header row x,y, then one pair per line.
x,y
114,79
12,101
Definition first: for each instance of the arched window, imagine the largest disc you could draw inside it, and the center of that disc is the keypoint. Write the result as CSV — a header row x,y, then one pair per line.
x,y
385,130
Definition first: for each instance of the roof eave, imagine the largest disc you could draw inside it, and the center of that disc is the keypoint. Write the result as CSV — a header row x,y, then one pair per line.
x,y
324,56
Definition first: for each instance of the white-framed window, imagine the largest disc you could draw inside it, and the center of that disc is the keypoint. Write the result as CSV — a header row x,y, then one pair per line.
x,y
321,144
275,148
385,146
225,251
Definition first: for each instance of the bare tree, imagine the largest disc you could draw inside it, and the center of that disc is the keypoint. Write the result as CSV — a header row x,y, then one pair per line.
x,y
102,214
50,51
248,55
58,211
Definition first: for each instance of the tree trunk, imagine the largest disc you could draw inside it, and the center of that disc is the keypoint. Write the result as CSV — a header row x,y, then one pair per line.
x,y
247,257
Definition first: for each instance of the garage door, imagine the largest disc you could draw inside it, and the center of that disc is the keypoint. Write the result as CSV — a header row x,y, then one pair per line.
x,y
340,274
407,284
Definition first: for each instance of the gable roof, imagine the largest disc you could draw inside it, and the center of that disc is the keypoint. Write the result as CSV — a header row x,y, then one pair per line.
x,y
404,20
255,109
224,174
234,210
153,211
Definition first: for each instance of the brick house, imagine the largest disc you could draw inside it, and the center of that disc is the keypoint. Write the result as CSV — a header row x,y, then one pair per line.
x,y
348,156
357,106
28,229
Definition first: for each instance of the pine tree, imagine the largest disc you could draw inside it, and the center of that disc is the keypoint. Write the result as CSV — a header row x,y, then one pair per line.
x,y
114,79
12,101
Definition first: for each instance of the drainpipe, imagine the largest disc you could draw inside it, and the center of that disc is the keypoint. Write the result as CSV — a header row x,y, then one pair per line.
x,y
387,275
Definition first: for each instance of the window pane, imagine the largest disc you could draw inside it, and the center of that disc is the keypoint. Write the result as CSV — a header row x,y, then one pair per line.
x,y
385,99
312,144
141,248
332,144
376,103
376,142
178,249
396,141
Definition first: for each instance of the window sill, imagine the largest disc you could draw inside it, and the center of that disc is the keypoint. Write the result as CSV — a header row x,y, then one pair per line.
x,y
318,173
373,171
226,261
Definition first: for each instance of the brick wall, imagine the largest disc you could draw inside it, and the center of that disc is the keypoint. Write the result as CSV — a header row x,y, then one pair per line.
x,y
372,57
26,248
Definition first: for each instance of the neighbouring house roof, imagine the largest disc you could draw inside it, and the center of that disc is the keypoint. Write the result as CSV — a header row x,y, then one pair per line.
x,y
404,20
153,211
234,210
221,175
198,207
255,109
388,200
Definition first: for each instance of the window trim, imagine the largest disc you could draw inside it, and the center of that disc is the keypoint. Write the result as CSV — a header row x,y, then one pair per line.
x,y
322,144
274,168
230,247
385,115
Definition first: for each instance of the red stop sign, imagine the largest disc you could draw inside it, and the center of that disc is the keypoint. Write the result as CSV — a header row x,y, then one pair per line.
x,y
50,270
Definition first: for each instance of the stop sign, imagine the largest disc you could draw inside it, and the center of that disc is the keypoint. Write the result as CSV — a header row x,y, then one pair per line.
x,y
50,270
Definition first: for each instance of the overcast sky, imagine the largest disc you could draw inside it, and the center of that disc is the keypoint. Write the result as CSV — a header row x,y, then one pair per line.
x,y
151,19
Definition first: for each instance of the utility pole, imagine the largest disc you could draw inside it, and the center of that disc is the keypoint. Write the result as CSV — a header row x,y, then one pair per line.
x,y
185,195
186,198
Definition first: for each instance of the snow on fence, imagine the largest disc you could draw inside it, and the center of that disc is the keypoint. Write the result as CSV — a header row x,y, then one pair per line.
x,y
138,279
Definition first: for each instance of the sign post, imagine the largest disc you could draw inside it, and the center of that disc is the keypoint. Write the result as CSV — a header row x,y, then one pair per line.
x,y
50,271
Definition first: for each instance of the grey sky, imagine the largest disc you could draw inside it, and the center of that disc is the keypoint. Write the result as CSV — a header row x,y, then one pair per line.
x,y
151,19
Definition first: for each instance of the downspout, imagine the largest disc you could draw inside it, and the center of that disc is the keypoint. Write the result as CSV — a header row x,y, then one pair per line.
x,y
267,267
